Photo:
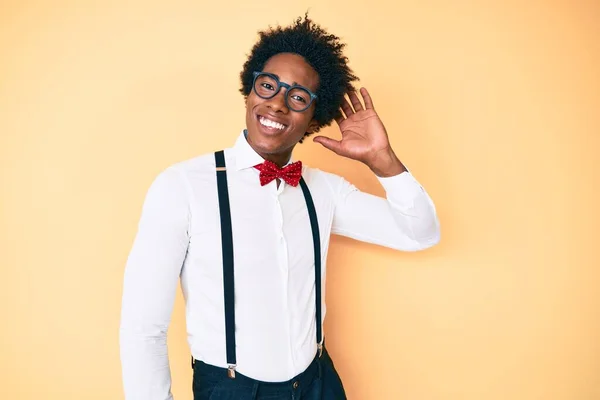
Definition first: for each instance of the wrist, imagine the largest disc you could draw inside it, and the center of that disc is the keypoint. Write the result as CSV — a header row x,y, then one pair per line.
x,y
386,164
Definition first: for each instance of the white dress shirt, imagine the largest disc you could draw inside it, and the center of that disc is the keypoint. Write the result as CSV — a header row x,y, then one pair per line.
x,y
179,238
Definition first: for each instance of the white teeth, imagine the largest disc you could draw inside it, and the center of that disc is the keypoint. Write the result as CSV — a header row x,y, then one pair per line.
x,y
272,124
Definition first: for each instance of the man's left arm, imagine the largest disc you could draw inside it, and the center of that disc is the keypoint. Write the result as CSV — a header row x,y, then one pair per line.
x,y
406,219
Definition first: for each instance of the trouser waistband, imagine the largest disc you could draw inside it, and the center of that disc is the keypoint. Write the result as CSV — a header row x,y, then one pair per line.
x,y
297,383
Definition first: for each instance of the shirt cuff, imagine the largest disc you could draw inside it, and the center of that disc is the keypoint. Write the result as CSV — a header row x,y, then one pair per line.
x,y
402,189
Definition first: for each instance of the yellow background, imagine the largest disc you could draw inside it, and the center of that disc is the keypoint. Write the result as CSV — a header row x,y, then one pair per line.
x,y
494,106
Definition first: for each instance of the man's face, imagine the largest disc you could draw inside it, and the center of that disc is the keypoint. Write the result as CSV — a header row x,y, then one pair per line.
x,y
269,139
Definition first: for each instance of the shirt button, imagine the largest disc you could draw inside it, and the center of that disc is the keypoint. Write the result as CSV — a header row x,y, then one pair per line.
x,y
295,385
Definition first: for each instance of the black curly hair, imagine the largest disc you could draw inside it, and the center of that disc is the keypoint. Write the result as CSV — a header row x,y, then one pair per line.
x,y
321,50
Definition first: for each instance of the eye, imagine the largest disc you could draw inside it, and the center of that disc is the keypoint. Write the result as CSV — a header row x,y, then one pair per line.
x,y
267,86
299,98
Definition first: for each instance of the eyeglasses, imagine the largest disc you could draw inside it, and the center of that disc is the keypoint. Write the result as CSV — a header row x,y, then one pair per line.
x,y
297,98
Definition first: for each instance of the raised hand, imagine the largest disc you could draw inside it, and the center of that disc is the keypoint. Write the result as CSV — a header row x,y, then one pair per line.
x,y
364,137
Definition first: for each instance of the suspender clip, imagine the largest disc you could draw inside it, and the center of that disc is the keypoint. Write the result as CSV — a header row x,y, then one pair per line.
x,y
320,347
231,371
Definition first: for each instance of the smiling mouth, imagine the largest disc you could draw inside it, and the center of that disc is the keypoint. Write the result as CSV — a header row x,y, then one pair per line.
x,y
270,125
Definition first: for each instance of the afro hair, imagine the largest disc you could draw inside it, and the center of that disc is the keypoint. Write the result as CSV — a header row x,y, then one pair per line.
x,y
321,50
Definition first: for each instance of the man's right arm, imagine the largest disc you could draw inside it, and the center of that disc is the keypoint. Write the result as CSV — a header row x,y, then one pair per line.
x,y
150,283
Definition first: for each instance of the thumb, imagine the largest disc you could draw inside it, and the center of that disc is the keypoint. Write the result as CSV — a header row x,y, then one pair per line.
x,y
331,144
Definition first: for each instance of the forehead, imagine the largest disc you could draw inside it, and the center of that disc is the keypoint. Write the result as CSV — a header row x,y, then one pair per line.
x,y
292,68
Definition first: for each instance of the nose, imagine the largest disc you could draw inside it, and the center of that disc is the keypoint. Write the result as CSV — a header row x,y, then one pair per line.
x,y
277,102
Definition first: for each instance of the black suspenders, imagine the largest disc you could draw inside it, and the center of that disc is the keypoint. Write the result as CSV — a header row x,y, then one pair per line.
x,y
314,226
227,245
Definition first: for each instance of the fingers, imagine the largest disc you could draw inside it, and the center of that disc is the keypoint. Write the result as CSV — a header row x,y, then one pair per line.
x,y
355,101
348,111
356,104
367,98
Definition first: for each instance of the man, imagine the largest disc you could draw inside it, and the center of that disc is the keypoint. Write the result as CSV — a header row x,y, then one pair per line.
x,y
247,231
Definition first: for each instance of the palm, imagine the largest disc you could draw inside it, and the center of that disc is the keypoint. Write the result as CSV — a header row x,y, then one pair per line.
x,y
363,133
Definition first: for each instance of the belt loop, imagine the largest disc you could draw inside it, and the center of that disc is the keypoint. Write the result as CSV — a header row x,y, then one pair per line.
x,y
254,391
319,361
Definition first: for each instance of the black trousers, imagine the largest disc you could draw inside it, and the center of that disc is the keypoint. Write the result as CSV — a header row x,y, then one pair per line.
x,y
320,381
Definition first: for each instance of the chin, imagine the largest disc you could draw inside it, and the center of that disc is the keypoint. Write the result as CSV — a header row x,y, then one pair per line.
x,y
263,143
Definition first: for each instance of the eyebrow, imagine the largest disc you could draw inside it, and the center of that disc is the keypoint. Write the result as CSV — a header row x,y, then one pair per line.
x,y
292,84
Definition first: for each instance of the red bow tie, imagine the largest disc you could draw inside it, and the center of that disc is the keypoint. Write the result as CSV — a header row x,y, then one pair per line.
x,y
290,173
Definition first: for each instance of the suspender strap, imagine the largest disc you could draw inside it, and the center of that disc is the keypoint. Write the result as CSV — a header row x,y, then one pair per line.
x,y
227,249
314,225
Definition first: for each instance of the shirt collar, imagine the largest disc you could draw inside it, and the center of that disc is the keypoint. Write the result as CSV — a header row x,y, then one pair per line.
x,y
245,156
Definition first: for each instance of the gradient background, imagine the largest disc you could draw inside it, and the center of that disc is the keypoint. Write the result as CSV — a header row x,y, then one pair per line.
x,y
494,106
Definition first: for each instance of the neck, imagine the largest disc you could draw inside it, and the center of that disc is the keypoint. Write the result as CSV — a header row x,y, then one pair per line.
x,y
279,159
